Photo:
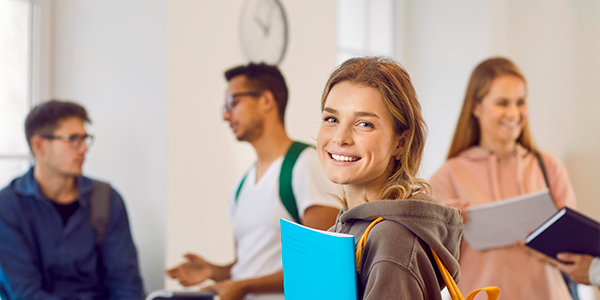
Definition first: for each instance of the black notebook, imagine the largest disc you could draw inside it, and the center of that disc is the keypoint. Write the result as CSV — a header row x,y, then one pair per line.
x,y
566,231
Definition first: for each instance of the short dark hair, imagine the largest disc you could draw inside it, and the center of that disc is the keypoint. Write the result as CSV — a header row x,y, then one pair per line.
x,y
44,118
264,77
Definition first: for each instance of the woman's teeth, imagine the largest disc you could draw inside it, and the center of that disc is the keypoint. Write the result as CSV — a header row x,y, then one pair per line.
x,y
512,124
343,158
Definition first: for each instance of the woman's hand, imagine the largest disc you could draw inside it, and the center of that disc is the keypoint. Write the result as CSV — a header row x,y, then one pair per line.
x,y
539,256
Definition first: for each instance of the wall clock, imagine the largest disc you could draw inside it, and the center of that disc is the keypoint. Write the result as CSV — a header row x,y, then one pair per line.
x,y
264,31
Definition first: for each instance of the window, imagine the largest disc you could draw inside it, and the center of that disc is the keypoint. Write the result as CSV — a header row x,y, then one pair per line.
x,y
16,88
366,27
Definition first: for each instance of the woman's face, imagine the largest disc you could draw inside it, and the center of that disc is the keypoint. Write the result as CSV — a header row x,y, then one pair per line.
x,y
356,141
503,112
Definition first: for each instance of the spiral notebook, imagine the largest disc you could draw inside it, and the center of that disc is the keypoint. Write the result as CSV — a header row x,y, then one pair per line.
x,y
502,223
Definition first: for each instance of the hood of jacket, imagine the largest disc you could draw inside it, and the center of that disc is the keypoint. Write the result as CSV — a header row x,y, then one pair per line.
x,y
479,153
437,225
486,163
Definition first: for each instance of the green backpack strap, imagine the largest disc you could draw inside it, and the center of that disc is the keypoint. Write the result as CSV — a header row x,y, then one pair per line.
x,y
237,194
286,192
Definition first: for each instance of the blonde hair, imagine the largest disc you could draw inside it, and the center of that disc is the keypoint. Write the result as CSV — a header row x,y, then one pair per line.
x,y
467,132
400,99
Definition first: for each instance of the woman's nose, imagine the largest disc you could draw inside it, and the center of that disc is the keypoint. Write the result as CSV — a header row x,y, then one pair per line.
x,y
342,137
513,110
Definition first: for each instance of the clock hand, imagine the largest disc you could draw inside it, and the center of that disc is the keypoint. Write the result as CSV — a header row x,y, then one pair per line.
x,y
270,15
262,25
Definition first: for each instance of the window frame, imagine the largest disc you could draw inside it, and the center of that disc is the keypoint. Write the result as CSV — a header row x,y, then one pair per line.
x,y
396,35
39,79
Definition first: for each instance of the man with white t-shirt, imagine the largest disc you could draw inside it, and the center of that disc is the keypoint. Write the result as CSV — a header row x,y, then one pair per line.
x,y
255,105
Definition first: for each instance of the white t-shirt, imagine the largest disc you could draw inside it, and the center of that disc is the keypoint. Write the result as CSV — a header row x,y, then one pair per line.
x,y
256,214
594,272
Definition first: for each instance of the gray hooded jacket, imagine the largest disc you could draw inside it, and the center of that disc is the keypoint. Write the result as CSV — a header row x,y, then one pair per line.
x,y
397,262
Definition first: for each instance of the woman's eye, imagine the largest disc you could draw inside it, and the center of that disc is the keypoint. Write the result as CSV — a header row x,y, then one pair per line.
x,y
330,119
365,124
521,102
502,103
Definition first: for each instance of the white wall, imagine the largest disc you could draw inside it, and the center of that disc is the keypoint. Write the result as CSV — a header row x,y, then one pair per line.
x,y
443,43
110,56
203,158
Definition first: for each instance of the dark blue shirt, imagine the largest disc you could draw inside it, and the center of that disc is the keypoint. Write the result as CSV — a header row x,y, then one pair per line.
x,y
40,258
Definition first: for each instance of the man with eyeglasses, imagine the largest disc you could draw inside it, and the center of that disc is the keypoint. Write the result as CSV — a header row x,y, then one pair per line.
x,y
254,108
49,248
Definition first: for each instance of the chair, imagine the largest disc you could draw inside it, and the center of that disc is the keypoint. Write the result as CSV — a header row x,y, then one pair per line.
x,y
188,295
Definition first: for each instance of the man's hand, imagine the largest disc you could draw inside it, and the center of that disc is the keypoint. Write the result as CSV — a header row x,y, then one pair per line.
x,y
580,267
229,289
194,271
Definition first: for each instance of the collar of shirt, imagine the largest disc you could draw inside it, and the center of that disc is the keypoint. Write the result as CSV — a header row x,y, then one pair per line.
x,y
28,186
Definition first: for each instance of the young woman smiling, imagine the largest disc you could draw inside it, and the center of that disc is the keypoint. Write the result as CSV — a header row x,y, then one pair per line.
x,y
370,141
493,157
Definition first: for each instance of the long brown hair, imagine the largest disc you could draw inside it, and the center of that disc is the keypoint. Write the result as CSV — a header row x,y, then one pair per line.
x,y
467,132
400,98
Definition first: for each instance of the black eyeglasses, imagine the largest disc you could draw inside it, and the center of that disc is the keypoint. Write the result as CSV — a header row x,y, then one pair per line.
x,y
73,140
230,102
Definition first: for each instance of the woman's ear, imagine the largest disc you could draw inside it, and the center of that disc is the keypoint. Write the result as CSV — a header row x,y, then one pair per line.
x,y
400,143
477,110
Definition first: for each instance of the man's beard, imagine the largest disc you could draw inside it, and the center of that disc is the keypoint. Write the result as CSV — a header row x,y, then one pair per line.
x,y
254,130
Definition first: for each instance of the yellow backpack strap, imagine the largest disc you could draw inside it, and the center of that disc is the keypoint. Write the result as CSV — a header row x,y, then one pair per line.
x,y
450,283
361,243
492,292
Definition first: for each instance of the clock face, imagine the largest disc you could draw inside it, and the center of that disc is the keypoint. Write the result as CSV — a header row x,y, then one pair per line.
x,y
264,31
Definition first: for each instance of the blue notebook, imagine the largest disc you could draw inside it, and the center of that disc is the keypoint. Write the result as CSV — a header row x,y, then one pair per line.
x,y
317,264
566,231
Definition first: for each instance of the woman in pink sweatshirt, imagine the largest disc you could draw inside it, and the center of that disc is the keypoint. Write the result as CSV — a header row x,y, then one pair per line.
x,y
493,157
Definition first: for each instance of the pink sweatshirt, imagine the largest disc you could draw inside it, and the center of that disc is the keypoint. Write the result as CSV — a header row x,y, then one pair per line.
x,y
477,176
